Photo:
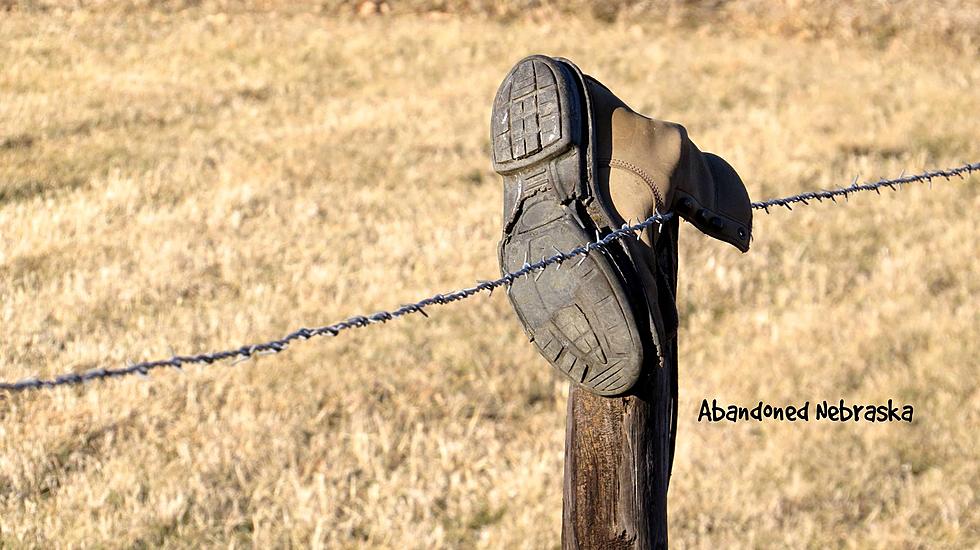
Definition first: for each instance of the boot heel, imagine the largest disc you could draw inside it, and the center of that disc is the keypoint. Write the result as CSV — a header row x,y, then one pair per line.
x,y
531,120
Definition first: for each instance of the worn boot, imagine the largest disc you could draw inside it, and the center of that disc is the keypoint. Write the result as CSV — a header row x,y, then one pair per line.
x,y
578,163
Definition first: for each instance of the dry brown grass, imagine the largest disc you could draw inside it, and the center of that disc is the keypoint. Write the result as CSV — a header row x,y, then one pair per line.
x,y
193,180
929,24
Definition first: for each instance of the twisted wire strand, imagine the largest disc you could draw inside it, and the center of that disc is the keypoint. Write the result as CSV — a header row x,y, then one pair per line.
x,y
893,184
276,346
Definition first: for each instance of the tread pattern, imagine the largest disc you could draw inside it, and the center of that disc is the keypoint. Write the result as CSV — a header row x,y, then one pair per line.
x,y
578,316
529,120
573,314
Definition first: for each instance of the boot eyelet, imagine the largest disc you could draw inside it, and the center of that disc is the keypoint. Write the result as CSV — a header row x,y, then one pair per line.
x,y
717,224
741,232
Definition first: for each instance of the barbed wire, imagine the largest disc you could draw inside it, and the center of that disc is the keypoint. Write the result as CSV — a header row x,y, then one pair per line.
x,y
892,184
276,346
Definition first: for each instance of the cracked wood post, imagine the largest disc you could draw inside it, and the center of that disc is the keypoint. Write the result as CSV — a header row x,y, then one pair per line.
x,y
618,450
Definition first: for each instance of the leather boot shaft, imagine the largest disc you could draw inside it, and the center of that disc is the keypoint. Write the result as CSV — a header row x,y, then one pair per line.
x,y
700,187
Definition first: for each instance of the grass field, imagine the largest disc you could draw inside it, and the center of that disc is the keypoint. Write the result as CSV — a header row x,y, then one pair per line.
x,y
189,180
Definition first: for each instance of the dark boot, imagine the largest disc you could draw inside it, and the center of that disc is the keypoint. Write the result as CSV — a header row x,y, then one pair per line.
x,y
577,162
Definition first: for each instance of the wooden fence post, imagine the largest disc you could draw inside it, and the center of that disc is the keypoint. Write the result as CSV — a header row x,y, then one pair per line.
x,y
618,451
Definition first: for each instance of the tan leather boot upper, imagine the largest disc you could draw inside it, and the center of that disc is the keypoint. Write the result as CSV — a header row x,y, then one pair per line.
x,y
654,167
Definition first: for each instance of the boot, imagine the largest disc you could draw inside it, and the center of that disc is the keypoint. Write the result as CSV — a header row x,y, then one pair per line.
x,y
577,162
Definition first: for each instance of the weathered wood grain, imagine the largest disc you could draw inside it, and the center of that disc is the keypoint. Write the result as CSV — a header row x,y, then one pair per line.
x,y
618,451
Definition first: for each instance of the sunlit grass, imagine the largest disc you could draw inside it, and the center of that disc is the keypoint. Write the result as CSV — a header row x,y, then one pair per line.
x,y
185,181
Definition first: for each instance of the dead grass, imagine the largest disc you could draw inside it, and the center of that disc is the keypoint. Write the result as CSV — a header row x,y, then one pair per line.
x,y
194,179
928,24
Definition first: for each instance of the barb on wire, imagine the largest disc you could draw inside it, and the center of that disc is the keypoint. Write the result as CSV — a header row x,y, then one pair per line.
x,y
276,346
893,184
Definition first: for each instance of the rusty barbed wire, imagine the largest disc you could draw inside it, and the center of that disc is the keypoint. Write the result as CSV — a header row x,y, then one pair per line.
x,y
357,321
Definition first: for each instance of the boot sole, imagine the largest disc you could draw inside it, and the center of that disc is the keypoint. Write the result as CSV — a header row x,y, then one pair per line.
x,y
578,315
